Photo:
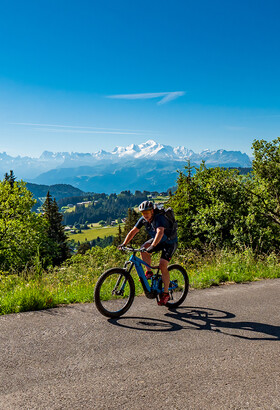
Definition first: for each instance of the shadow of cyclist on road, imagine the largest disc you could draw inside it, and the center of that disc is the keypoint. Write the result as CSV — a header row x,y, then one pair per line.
x,y
202,318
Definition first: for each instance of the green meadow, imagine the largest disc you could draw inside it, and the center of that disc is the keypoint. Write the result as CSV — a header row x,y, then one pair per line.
x,y
93,232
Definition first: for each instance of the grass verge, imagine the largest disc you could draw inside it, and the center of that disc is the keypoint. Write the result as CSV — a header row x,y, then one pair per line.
x,y
74,281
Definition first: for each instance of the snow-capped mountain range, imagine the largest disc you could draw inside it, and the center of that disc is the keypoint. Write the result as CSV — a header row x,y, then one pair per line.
x,y
149,165
151,150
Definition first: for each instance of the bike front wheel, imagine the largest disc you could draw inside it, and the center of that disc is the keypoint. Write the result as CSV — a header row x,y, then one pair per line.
x,y
114,292
179,285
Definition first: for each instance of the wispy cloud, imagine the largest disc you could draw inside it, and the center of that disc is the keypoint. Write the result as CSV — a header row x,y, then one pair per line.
x,y
83,129
77,131
164,97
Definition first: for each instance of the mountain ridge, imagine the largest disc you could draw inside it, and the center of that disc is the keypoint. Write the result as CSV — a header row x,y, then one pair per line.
x,y
150,166
149,149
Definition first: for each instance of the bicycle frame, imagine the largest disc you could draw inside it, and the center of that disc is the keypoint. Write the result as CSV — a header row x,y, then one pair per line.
x,y
150,291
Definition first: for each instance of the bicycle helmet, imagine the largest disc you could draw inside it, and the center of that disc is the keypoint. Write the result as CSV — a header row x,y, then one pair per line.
x,y
146,206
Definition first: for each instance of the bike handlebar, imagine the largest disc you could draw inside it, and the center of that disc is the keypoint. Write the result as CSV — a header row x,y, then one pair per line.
x,y
131,249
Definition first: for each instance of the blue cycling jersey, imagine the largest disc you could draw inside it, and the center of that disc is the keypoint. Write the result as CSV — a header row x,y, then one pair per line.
x,y
157,222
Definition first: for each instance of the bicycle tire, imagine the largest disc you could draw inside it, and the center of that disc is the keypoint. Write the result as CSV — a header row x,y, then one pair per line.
x,y
111,304
177,272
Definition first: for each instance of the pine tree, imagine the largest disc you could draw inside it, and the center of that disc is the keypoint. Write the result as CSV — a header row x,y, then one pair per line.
x,y
118,239
10,178
55,230
132,218
83,248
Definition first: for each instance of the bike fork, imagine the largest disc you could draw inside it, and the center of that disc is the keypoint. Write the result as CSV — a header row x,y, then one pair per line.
x,y
115,291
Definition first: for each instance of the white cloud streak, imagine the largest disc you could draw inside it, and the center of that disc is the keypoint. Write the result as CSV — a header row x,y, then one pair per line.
x,y
89,131
82,130
164,97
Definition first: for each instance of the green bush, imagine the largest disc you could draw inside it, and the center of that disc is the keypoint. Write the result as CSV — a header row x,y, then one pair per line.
x,y
22,232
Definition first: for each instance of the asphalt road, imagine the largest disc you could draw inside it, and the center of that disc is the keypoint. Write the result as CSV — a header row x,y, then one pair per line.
x,y
220,350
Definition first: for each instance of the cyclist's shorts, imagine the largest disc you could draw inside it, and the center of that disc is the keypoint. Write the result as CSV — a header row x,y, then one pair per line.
x,y
168,249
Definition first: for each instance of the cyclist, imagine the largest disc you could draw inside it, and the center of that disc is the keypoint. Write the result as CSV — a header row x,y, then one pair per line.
x,y
158,226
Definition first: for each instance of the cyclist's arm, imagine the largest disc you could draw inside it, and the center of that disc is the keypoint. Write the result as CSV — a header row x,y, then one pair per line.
x,y
130,235
158,237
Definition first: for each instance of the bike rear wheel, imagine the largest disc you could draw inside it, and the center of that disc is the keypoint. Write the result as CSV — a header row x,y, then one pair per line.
x,y
179,285
114,292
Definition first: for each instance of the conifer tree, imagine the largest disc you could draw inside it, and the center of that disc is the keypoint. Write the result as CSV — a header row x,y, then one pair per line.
x,y
83,248
55,230
118,239
132,218
10,178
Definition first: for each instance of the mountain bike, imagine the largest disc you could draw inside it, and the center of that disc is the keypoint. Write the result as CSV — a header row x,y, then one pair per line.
x,y
115,289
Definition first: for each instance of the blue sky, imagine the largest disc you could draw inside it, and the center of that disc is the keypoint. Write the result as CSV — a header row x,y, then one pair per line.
x,y
89,75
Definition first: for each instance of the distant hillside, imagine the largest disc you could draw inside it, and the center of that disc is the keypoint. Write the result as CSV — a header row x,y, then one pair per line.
x,y
147,175
57,191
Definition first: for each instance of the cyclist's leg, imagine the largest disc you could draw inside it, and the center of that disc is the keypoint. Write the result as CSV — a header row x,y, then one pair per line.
x,y
163,265
145,255
166,255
